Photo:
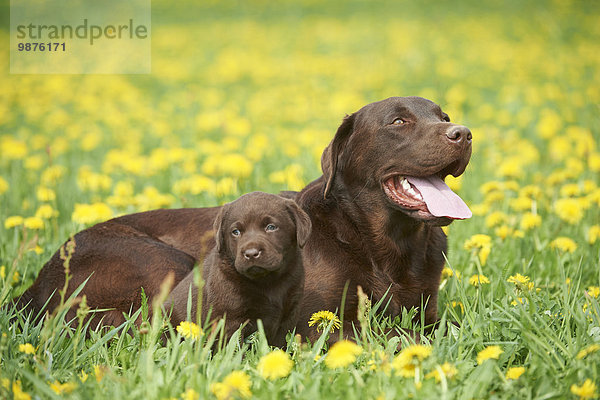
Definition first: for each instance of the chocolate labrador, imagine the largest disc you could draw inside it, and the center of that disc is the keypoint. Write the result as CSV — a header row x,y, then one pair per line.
x,y
378,209
376,214
255,270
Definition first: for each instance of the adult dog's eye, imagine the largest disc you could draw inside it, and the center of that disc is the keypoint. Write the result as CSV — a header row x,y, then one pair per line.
x,y
398,121
271,228
236,233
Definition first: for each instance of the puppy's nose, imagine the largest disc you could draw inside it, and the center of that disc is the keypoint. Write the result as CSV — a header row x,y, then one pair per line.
x,y
252,253
459,133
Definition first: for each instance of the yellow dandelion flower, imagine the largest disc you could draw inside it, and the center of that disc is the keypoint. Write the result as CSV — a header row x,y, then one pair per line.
x,y
63,388
234,165
477,242
592,348
458,304
236,383
83,376
531,191
563,244
190,394
515,372
480,209
45,211
530,220
446,369
53,174
447,272
12,149
518,301
342,354
18,393
277,364
481,242
570,190
91,213
189,330
323,318
569,210
494,197
490,352
484,254
3,185
521,203
33,223
593,291
586,391
13,221
291,176
34,162
495,218
518,279
99,372
225,186
593,234
549,123
406,362
594,162
477,280
27,348
46,194
491,186
503,231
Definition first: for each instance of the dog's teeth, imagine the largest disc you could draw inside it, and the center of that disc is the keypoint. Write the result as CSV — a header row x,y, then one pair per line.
x,y
405,184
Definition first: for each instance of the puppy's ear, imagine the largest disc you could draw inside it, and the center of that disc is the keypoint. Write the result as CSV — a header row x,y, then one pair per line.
x,y
329,159
218,229
302,220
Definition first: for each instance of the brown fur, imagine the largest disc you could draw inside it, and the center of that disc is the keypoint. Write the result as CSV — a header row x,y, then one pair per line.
x,y
257,275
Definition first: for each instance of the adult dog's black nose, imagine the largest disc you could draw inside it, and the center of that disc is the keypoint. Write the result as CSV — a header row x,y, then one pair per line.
x,y
252,253
459,133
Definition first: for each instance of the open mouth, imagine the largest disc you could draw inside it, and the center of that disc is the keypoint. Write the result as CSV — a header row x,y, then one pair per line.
x,y
429,197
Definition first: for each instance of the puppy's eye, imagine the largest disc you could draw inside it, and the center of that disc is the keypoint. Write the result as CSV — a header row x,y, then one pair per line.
x,y
398,121
271,228
446,118
236,233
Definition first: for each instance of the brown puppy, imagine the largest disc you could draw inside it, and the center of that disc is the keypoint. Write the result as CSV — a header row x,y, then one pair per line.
x,y
370,226
255,271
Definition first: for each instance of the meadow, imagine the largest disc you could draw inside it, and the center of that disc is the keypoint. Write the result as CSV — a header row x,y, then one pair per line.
x,y
245,96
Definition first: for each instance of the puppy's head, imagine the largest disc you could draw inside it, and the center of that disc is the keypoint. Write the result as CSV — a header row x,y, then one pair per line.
x,y
260,233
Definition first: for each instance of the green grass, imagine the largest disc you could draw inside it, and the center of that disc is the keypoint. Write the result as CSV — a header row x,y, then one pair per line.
x,y
267,85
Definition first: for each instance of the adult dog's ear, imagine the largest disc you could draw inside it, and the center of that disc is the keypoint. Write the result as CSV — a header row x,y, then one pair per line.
x,y
218,228
302,220
329,159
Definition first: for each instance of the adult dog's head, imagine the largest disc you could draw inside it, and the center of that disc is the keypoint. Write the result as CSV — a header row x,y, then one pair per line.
x,y
396,153
259,234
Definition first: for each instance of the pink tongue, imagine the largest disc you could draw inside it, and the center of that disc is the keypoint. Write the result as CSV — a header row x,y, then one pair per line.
x,y
440,199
